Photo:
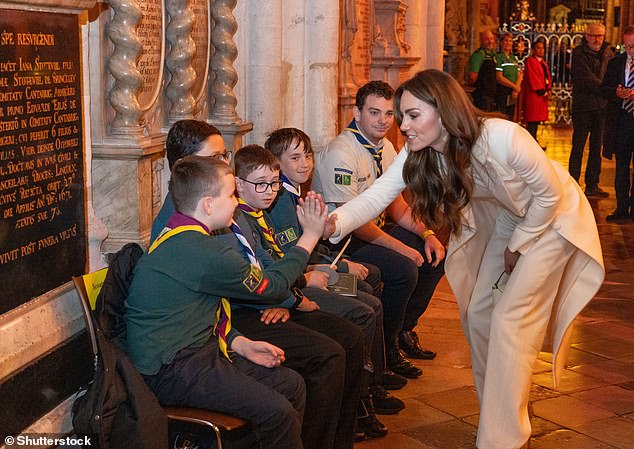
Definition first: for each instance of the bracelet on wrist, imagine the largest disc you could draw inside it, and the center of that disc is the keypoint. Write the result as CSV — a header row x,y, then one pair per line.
x,y
427,233
299,297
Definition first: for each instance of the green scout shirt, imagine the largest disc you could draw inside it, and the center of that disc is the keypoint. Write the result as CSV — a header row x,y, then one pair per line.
x,y
282,215
175,291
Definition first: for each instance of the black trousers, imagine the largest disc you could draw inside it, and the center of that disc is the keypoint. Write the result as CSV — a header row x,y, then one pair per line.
x,y
584,123
407,288
531,127
272,400
328,352
624,152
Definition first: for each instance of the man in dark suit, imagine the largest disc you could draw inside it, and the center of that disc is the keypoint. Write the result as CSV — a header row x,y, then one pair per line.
x,y
618,87
589,62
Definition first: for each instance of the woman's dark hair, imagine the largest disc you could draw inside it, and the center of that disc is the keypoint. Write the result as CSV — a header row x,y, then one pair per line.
x,y
441,183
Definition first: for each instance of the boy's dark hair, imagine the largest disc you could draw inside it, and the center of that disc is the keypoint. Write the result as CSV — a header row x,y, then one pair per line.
x,y
284,139
378,88
252,157
184,138
194,177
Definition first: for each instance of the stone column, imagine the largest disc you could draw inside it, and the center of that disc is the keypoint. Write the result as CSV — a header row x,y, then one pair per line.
x,y
263,95
473,21
293,74
348,29
322,66
424,21
223,112
124,152
179,60
434,33
122,66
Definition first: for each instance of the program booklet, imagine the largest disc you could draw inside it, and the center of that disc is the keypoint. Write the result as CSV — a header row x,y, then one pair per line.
x,y
346,285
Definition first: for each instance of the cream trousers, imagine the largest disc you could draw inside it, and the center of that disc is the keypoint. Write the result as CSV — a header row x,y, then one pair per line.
x,y
506,334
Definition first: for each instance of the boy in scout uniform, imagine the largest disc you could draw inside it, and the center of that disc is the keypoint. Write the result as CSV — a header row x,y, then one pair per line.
x,y
325,350
179,333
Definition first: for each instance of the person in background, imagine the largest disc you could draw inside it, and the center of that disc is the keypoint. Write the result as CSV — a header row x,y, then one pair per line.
x,y
536,87
482,72
618,87
508,76
524,254
589,62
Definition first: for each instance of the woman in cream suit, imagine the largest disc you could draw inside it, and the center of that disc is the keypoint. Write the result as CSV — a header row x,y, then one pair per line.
x,y
509,209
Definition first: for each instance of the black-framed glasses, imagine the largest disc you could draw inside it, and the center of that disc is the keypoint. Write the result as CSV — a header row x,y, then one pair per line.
x,y
261,187
226,156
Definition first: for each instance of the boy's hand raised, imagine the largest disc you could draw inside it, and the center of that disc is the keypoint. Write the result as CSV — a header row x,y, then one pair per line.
x,y
312,214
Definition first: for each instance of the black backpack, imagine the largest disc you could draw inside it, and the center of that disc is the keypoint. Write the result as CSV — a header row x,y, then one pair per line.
x,y
118,410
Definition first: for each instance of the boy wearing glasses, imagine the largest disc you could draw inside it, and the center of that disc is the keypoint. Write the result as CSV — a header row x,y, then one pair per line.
x,y
187,138
325,350
258,182
180,336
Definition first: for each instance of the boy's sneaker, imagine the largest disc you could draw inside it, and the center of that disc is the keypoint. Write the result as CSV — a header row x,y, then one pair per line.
x,y
368,426
393,381
384,402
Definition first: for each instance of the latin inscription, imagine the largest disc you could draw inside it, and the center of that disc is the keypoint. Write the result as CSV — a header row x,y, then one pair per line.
x,y
42,216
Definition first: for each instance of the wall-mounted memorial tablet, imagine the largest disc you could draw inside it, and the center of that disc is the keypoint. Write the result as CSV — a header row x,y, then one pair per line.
x,y
150,31
42,204
201,37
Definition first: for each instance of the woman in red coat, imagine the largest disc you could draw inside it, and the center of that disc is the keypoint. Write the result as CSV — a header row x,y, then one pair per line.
x,y
536,87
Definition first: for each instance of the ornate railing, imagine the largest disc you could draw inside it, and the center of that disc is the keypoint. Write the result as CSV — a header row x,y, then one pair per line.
x,y
559,41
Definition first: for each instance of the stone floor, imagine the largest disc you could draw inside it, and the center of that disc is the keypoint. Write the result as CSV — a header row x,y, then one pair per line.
x,y
594,406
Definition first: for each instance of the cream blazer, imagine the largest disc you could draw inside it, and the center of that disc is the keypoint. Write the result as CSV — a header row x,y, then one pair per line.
x,y
528,184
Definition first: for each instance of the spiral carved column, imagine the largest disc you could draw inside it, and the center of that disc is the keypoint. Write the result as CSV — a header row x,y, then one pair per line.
x,y
224,109
122,66
179,60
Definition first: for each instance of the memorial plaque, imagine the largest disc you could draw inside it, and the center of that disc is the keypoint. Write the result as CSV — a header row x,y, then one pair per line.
x,y
150,64
200,35
42,210
362,53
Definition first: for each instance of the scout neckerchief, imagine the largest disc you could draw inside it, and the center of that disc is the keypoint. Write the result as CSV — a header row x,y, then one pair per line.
x,y
245,244
223,311
377,154
288,185
269,236
294,191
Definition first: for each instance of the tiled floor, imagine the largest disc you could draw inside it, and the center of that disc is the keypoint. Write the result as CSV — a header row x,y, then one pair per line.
x,y
594,406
